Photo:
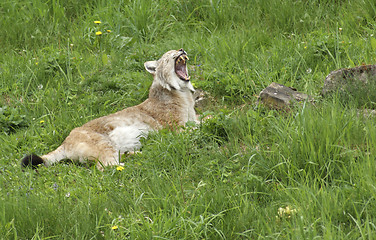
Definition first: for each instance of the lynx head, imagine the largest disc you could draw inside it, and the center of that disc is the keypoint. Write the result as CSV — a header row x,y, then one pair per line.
x,y
170,71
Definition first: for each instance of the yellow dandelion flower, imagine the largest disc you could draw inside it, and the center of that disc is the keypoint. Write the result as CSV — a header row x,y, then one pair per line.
x,y
97,22
98,33
41,121
120,168
108,31
114,227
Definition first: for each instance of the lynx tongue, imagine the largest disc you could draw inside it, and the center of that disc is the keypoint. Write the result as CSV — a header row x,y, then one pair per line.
x,y
181,68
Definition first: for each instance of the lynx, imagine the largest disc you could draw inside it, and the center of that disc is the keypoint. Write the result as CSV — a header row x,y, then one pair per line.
x,y
103,140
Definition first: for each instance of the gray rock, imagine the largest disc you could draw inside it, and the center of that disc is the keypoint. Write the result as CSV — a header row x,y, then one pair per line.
x,y
278,96
350,79
202,99
367,113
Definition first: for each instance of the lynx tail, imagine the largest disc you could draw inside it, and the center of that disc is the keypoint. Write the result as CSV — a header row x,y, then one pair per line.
x,y
31,161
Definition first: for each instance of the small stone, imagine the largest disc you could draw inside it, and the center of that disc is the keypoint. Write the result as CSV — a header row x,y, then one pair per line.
x,y
278,96
347,79
202,99
367,113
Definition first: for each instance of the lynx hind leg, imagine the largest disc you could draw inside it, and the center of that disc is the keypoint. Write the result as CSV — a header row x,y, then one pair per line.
x,y
101,154
108,160
88,146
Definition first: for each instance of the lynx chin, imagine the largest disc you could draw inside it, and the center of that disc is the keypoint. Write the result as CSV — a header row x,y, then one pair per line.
x,y
105,139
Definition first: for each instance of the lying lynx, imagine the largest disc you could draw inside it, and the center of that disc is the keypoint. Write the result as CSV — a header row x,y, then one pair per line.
x,y
105,139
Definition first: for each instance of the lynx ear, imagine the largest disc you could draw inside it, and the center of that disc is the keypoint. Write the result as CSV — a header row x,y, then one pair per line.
x,y
151,66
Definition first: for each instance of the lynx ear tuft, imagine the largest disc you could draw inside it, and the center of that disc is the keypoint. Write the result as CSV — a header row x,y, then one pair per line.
x,y
151,66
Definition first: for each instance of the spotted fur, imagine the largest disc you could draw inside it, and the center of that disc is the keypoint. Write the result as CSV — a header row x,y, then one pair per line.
x,y
105,139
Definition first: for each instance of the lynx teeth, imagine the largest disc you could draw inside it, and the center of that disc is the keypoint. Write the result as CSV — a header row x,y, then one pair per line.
x,y
181,58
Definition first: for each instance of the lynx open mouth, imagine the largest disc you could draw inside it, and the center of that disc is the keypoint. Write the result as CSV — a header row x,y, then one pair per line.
x,y
181,67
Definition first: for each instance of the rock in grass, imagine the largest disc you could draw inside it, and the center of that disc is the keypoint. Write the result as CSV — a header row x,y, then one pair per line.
x,y
352,81
278,96
202,99
367,113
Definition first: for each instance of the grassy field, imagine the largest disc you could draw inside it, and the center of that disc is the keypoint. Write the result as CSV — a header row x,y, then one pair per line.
x,y
247,173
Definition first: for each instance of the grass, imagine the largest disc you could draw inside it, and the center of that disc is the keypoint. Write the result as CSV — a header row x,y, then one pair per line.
x,y
247,173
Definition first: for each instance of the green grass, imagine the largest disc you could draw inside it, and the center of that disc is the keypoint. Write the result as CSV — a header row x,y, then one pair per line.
x,y
247,173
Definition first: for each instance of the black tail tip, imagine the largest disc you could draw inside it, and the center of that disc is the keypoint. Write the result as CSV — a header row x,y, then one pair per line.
x,y
31,160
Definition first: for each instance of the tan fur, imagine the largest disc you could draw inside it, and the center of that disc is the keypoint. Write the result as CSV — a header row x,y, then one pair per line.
x,y
105,139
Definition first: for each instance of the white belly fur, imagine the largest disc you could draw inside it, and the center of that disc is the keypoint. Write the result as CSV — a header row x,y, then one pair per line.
x,y
127,138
